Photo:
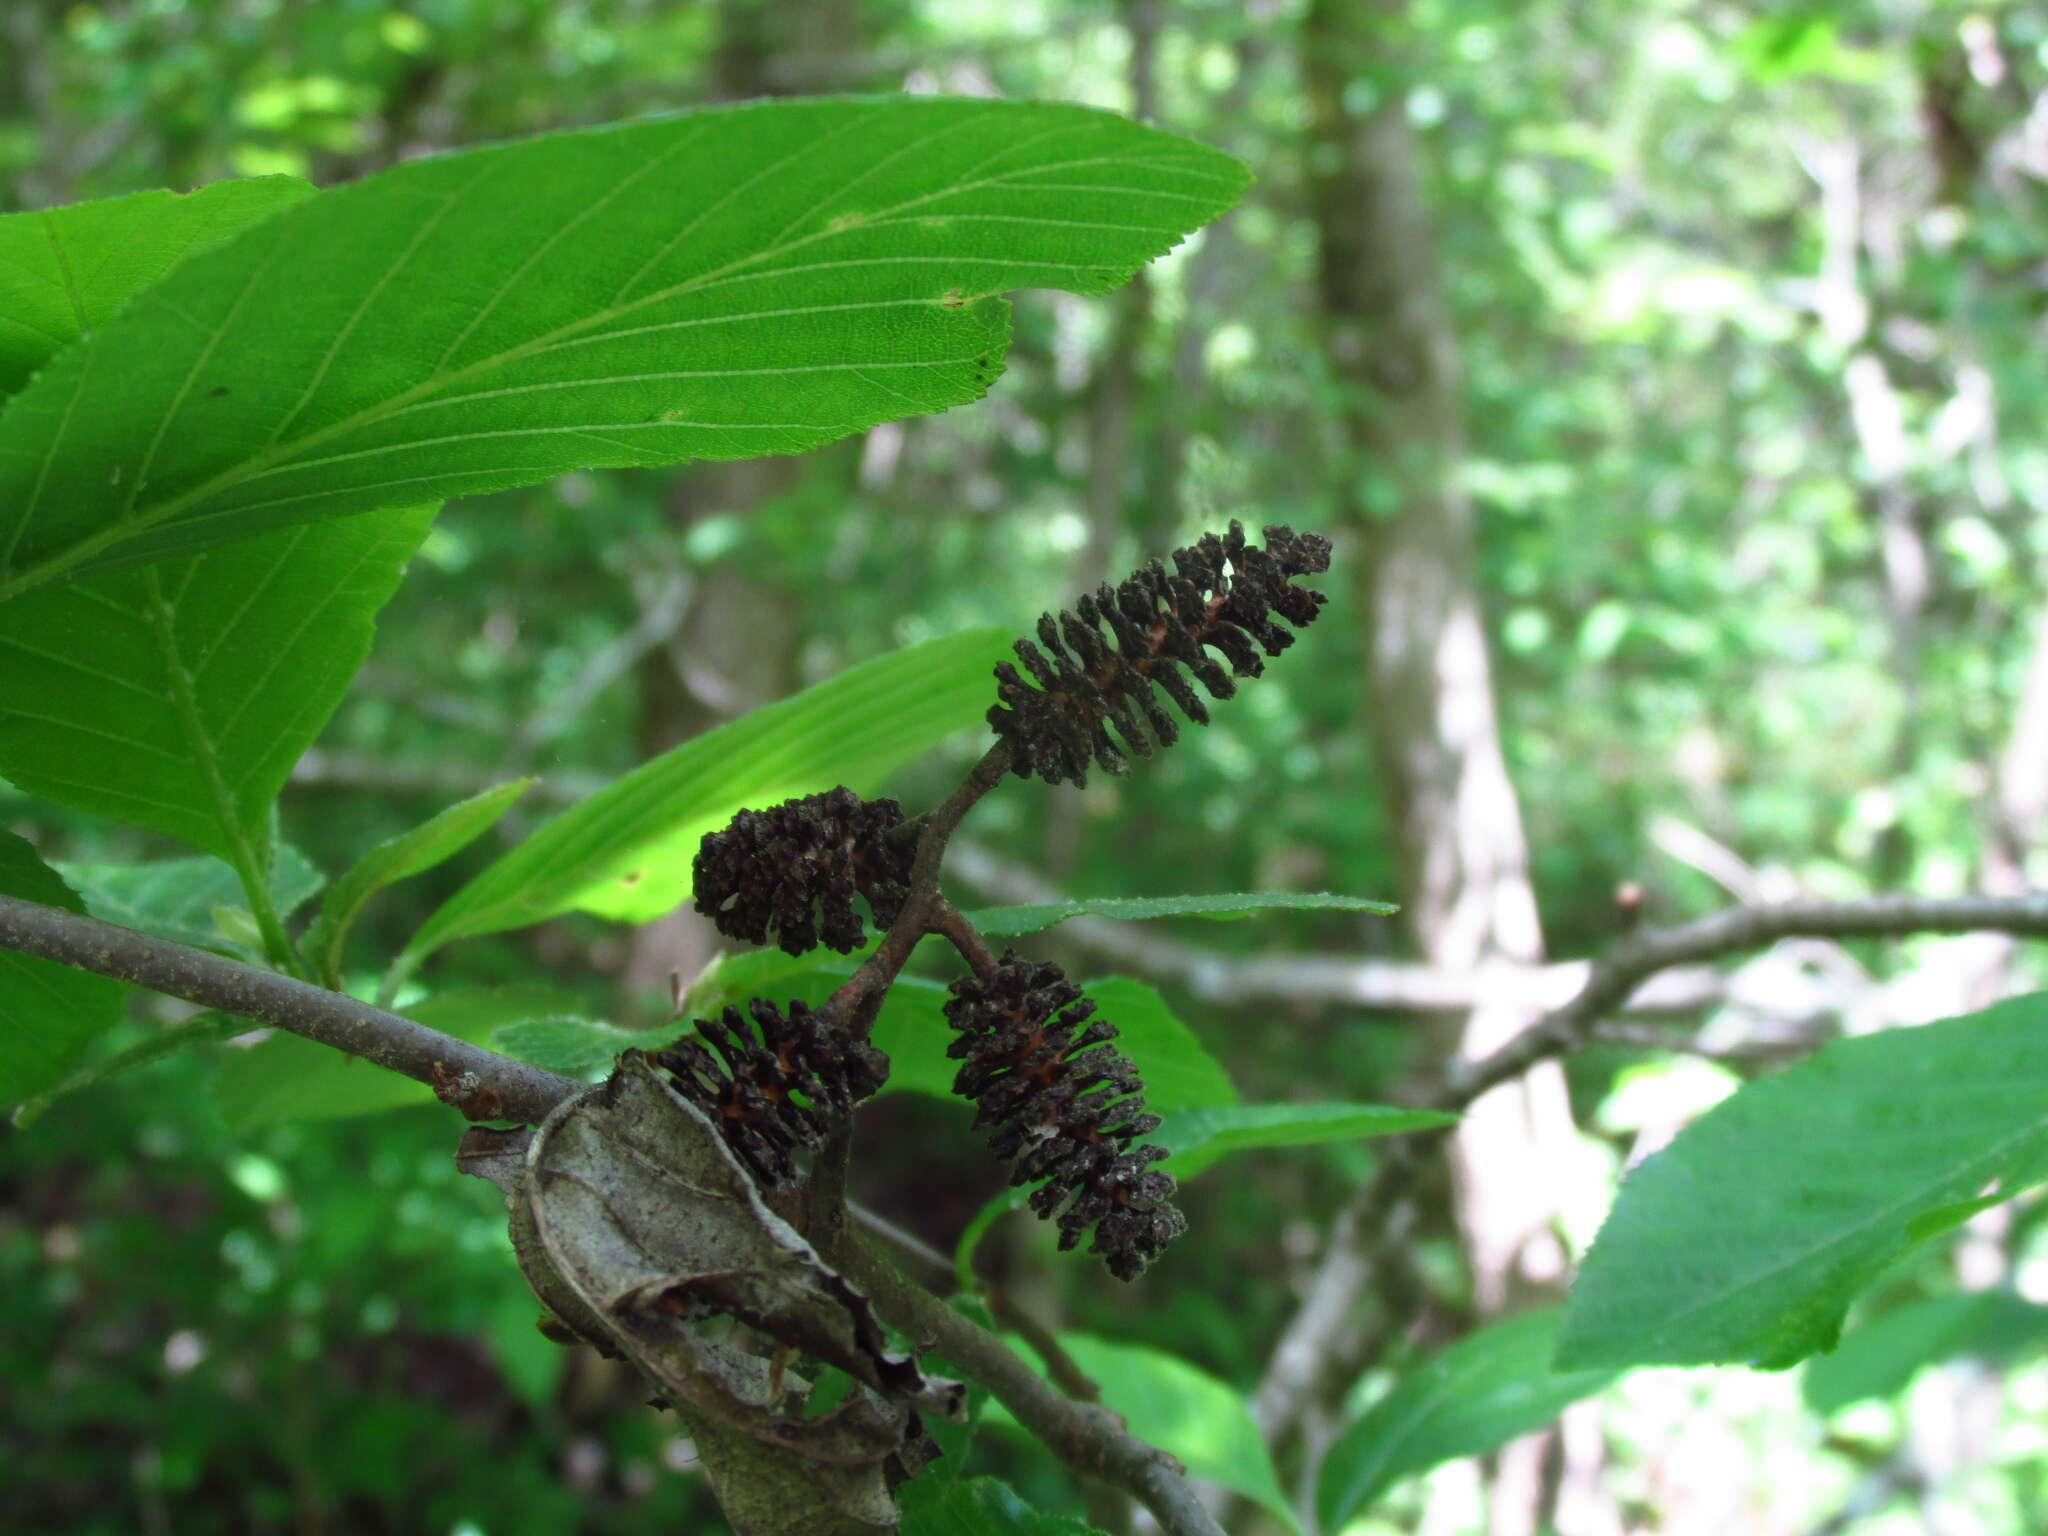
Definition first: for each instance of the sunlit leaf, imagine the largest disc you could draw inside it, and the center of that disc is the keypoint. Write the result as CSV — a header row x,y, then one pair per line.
x,y
1008,922
727,283
440,837
177,697
1482,1392
571,1045
626,851
1200,1136
49,1013
1746,1239
288,1078
67,271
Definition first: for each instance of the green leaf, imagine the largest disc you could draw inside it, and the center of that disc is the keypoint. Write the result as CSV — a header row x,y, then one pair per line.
x,y
979,1506
1746,1239
176,898
395,859
67,271
49,1013
1880,1358
1008,922
288,1078
178,697
571,1045
1482,1392
724,284
1182,1409
1199,1137
626,851
200,1029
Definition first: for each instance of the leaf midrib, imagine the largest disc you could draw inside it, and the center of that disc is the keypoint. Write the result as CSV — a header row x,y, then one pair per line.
x,y
270,458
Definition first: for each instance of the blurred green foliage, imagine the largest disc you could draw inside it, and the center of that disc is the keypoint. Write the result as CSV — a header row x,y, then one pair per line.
x,y
1686,487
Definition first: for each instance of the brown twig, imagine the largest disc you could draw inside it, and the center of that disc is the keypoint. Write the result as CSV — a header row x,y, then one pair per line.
x,y
522,1091
1086,1436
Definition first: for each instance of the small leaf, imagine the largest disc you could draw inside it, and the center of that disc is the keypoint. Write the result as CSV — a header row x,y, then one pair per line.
x,y
1182,1409
1479,1394
396,858
1746,1239
1200,1136
1880,1358
626,851
751,279
178,697
1009,922
200,1029
65,272
566,1045
978,1506
287,1078
175,898
49,1013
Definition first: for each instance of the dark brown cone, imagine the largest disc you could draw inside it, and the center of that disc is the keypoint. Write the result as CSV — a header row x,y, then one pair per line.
x,y
749,1086
1157,623
1062,1105
777,873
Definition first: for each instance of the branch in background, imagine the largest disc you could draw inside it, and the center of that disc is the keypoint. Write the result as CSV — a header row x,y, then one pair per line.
x,y
658,620
1390,984
518,1091
1086,1436
1369,1232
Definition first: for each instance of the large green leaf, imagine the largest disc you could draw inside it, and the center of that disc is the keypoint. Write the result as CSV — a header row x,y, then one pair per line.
x,y
1200,1136
177,898
1476,1396
1008,922
1167,1402
67,271
1746,1239
288,1078
178,697
728,283
979,1506
439,837
49,1013
626,851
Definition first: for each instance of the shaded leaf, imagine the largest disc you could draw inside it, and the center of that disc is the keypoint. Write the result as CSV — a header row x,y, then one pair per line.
x,y
979,1506
573,1046
176,898
737,281
1200,1136
49,1013
1879,1359
1479,1394
1746,1239
200,1029
440,837
1182,1409
1008,922
178,697
626,851
67,271
288,1078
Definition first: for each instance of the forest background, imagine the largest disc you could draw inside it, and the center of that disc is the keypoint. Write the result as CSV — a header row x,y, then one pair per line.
x,y
1669,377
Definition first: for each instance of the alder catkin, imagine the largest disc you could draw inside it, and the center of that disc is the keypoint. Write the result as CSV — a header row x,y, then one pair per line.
x,y
1158,623
1062,1105
790,873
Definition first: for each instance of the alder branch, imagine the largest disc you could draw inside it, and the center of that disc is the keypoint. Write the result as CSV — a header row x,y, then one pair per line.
x,y
1086,1436
518,1090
